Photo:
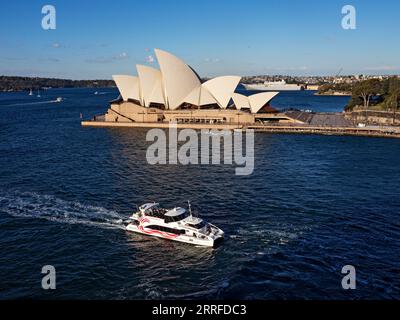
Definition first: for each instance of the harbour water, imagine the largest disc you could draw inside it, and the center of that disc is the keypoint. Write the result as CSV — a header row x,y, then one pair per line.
x,y
305,100
312,205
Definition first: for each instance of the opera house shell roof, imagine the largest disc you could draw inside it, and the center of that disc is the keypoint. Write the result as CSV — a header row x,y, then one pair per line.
x,y
176,83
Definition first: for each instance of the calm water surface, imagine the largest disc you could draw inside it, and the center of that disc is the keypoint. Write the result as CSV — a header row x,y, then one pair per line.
x,y
312,205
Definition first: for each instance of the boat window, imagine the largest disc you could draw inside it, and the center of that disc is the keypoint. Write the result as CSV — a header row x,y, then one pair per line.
x,y
166,229
150,210
199,225
156,212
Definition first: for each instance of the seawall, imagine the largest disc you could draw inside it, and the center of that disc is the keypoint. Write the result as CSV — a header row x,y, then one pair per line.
x,y
387,132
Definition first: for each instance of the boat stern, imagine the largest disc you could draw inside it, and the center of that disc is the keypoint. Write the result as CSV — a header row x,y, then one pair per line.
x,y
216,234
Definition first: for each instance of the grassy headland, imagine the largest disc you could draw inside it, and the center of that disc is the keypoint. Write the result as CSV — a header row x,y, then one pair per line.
x,y
335,89
26,83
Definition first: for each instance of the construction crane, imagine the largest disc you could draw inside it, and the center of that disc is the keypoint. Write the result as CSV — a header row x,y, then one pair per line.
x,y
335,80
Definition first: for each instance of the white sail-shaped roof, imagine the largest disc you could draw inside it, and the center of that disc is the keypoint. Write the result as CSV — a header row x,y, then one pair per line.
x,y
200,96
178,78
194,96
257,101
241,101
222,88
128,87
206,97
177,83
150,85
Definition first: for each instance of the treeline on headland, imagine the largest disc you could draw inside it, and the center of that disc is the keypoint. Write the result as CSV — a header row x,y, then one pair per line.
x,y
331,88
371,94
26,83
375,94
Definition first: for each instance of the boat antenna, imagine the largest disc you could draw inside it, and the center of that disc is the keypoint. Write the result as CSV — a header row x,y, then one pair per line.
x,y
190,208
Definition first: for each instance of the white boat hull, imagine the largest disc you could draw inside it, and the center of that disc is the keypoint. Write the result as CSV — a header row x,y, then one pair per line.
x,y
208,241
262,87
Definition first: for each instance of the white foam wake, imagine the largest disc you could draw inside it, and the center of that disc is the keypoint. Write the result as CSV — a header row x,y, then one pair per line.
x,y
31,103
33,205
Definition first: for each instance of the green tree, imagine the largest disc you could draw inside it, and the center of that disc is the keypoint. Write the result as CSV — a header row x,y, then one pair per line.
x,y
392,100
366,90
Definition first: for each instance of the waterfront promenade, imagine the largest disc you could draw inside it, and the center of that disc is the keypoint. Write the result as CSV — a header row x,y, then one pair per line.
x,y
375,131
313,123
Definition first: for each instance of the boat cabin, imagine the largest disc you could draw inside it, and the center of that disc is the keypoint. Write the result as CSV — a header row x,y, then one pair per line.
x,y
176,214
173,215
152,210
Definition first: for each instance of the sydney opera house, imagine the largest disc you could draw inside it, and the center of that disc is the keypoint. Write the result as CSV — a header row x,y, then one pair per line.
x,y
176,93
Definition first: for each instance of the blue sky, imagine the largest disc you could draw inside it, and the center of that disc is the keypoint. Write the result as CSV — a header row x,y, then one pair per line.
x,y
95,39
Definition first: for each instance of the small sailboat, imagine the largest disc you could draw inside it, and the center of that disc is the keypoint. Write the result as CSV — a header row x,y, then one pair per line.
x,y
38,93
31,93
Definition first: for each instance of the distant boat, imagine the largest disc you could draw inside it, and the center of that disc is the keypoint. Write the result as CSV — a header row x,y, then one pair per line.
x,y
31,93
59,99
38,94
96,92
274,86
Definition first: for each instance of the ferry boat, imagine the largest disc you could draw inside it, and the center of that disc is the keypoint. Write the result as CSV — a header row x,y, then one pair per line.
x,y
274,86
176,224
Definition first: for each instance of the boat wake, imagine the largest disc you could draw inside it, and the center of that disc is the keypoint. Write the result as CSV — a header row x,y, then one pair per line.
x,y
32,103
33,205
100,93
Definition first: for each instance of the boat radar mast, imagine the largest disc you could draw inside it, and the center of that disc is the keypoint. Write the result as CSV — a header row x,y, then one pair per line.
x,y
190,208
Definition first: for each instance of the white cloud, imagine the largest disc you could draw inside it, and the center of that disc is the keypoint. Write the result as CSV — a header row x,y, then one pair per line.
x,y
382,68
108,59
122,56
212,60
149,59
301,68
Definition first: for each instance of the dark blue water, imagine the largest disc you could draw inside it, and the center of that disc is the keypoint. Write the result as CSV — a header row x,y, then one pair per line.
x,y
304,100
312,205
